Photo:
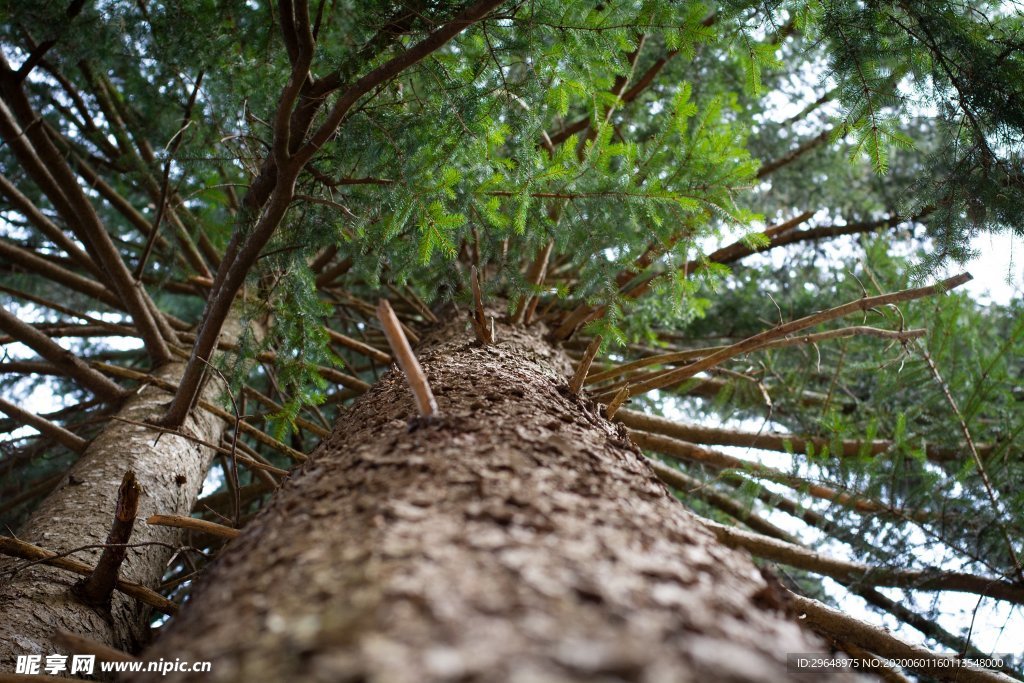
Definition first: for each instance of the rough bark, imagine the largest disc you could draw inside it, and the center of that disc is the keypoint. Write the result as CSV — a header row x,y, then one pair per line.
x,y
37,601
520,537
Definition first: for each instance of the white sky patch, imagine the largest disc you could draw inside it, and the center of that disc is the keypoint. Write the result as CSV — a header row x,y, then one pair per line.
x,y
998,269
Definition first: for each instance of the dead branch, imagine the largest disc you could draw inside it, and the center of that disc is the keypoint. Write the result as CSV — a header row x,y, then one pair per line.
x,y
882,642
183,522
95,590
693,354
915,579
783,443
481,328
81,645
621,396
407,360
26,551
758,340
576,383
682,450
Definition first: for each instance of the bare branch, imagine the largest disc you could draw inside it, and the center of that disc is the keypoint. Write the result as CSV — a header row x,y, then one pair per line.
x,y
758,340
621,396
683,450
881,642
68,362
480,326
783,443
12,547
915,579
407,360
183,522
47,428
576,383
77,644
95,590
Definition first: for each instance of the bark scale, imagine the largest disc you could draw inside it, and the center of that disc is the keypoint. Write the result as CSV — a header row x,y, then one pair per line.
x,y
37,601
518,537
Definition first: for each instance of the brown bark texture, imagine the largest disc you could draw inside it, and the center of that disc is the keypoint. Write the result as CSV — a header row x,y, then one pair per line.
x,y
517,537
37,601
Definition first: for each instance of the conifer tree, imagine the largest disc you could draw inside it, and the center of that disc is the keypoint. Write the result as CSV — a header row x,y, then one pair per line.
x,y
441,299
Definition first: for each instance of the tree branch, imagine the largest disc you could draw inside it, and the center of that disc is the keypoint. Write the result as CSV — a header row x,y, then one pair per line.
x,y
758,340
45,427
68,362
881,642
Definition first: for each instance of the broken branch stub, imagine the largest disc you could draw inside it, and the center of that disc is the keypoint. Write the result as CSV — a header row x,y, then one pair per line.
x,y
96,589
402,351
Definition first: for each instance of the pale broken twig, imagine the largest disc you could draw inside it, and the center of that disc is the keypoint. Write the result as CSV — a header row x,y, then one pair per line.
x,y
407,360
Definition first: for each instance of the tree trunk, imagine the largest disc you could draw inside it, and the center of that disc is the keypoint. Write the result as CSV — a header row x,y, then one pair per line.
x,y
37,601
518,537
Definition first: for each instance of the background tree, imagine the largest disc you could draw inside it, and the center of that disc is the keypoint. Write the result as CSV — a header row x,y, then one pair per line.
x,y
252,178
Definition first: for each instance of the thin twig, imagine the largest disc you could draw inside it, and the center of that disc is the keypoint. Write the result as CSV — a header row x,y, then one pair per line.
x,y
171,387
255,464
234,442
986,482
